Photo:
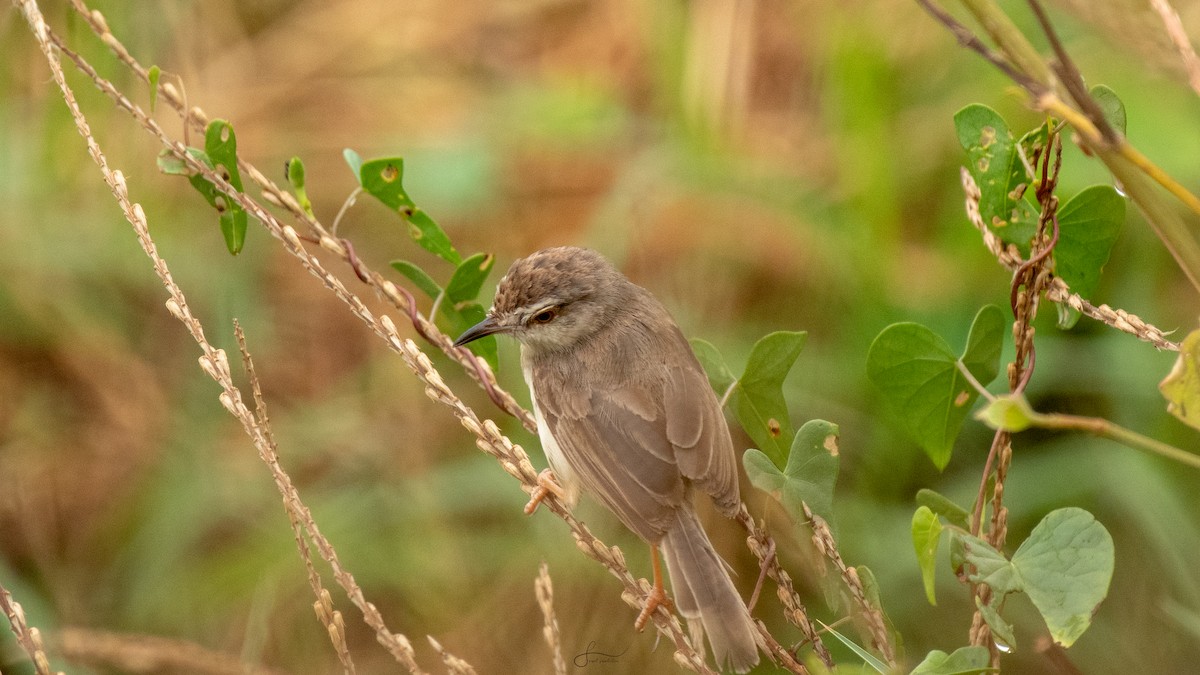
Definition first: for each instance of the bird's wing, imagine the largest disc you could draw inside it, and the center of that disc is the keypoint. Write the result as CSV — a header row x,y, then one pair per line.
x,y
632,442
697,430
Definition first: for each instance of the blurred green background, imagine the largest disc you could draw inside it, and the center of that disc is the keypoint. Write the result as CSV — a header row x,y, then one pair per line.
x,y
759,165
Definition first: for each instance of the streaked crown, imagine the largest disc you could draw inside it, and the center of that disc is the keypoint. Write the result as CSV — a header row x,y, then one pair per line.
x,y
555,297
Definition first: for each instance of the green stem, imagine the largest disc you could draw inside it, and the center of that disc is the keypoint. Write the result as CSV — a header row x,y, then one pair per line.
x,y
1106,429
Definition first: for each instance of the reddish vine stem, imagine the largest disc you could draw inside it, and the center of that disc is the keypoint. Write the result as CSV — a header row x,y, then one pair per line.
x,y
1030,280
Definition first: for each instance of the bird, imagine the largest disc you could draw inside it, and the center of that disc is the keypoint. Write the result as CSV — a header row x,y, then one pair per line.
x,y
626,415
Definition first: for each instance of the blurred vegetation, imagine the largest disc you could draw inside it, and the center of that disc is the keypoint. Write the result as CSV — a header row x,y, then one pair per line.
x,y
760,166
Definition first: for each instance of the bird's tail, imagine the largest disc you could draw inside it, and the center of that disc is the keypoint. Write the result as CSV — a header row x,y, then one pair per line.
x,y
703,590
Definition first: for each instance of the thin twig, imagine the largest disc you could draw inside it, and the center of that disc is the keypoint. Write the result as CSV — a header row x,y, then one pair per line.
x,y
330,618
1072,79
1174,28
28,636
213,361
544,589
141,653
1057,290
968,39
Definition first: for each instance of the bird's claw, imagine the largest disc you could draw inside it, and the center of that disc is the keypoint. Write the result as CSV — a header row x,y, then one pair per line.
x,y
657,598
547,485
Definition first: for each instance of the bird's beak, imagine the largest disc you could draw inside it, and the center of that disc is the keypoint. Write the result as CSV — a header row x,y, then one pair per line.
x,y
488,326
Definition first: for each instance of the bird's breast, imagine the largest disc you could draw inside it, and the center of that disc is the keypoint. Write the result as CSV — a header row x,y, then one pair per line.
x,y
563,470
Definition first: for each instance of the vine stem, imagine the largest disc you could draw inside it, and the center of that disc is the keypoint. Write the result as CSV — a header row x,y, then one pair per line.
x,y
1099,426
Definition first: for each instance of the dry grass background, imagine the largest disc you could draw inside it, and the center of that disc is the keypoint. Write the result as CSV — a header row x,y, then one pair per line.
x,y
759,165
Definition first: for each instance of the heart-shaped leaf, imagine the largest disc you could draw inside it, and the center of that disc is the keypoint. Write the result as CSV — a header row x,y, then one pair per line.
x,y
1066,565
996,165
810,474
920,380
758,400
1088,227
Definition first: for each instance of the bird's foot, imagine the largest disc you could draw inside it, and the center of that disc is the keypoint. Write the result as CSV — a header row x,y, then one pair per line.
x,y
547,485
657,598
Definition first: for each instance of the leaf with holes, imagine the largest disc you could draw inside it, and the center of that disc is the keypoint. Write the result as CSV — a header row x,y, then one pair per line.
x,y
220,144
220,155
995,163
1088,227
810,474
758,399
918,375
426,232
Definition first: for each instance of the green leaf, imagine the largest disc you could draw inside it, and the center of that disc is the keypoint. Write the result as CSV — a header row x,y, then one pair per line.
x,y
1181,387
419,278
943,506
220,144
958,555
995,164
991,567
758,402
763,473
426,232
383,179
294,168
964,661
926,535
1007,413
920,380
170,164
220,155
810,475
468,277
867,657
355,163
1111,105
1088,227
1066,565
719,375
153,75
1002,631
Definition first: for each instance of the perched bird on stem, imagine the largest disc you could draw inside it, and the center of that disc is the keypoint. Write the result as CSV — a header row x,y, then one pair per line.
x,y
626,414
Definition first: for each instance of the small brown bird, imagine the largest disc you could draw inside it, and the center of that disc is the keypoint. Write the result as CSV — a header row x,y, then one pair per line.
x,y
626,414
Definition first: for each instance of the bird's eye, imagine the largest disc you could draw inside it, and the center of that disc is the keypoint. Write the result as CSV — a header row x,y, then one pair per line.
x,y
545,316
